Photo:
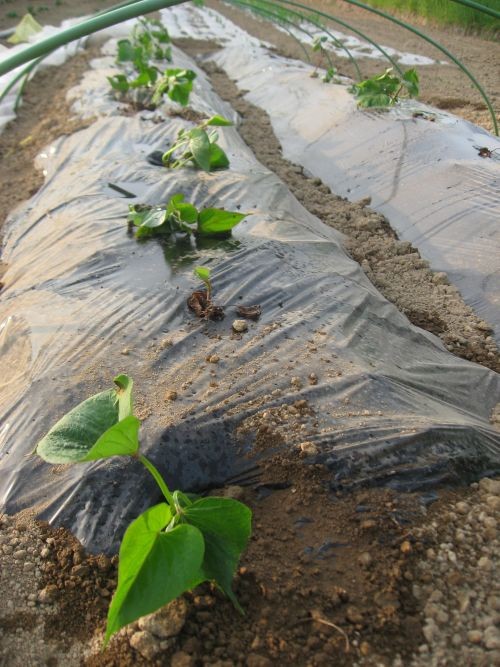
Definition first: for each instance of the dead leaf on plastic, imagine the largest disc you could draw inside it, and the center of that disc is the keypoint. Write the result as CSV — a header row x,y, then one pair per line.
x,y
249,312
203,307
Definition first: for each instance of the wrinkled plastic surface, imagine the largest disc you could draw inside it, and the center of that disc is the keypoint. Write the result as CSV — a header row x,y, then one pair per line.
x,y
83,301
426,177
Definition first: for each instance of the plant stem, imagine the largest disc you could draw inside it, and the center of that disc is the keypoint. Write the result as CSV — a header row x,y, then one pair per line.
x,y
158,479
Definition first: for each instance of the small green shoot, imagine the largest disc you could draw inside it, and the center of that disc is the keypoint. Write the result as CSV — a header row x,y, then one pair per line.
x,y
171,547
331,72
200,301
386,89
179,216
199,147
142,80
203,273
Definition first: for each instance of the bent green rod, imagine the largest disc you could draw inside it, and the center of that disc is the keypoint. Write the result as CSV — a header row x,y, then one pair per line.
x,y
130,11
480,8
33,65
278,18
275,18
334,19
317,24
434,43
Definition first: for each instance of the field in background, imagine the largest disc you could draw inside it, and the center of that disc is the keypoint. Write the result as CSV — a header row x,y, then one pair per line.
x,y
444,11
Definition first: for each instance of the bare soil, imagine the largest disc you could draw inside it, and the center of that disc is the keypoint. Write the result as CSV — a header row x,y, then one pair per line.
x,y
330,577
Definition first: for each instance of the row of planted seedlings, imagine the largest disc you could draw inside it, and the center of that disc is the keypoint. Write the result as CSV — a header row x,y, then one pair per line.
x,y
176,545
186,540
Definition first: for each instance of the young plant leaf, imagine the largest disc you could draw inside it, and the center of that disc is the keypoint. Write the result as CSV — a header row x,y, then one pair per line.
x,y
119,82
183,210
213,221
72,438
199,145
126,52
203,274
218,121
154,566
411,80
226,525
218,159
124,393
122,439
155,217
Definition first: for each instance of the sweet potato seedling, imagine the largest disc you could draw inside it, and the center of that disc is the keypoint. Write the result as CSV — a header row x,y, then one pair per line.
x,y
199,147
200,301
174,545
203,273
152,37
143,83
331,72
179,216
386,89
146,87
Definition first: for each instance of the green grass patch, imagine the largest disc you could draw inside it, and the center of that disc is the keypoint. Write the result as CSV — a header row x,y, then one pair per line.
x,y
444,11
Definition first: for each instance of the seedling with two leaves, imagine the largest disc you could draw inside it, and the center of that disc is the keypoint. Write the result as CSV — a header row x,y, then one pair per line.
x,y
200,301
179,216
198,147
171,547
331,74
386,89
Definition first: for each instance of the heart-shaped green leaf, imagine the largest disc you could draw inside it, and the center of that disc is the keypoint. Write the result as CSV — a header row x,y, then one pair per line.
x,y
213,221
154,566
74,436
199,145
203,273
122,439
218,159
226,525
218,121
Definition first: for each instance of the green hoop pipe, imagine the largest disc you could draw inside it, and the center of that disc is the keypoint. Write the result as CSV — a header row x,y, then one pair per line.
x,y
309,19
131,10
480,8
279,18
334,19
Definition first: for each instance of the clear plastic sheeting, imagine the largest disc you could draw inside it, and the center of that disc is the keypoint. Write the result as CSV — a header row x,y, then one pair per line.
x,y
83,300
425,175
57,58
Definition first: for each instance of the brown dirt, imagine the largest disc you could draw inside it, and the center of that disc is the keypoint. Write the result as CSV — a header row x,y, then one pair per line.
x,y
343,559
43,116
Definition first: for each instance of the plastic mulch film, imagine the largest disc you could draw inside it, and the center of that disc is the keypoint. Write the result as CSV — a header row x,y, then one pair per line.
x,y
425,174
383,401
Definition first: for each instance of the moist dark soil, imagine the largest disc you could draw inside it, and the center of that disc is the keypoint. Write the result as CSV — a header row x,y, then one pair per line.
x,y
326,580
